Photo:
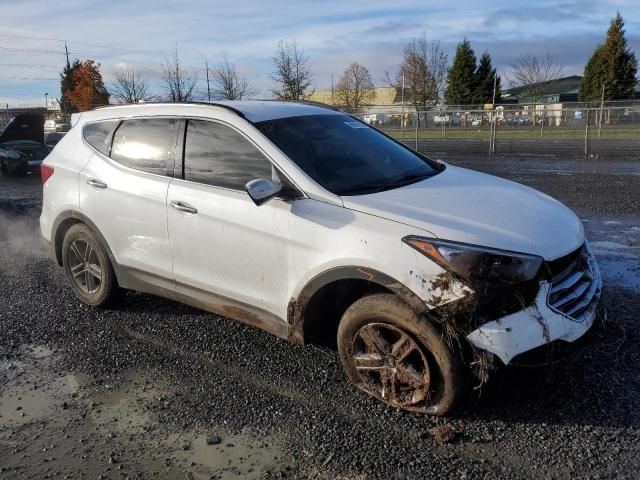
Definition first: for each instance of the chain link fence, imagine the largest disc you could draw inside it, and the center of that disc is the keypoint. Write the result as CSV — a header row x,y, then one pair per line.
x,y
556,130
532,130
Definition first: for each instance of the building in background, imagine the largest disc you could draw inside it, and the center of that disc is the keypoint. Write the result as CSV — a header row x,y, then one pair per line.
x,y
386,100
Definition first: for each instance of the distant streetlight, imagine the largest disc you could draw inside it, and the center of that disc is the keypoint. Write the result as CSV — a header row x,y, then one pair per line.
x,y
46,101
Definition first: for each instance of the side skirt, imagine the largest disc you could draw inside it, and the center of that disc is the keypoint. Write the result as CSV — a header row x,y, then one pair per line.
x,y
140,281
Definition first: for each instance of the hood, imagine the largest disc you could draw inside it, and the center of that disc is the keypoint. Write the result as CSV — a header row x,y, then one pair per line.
x,y
24,127
471,207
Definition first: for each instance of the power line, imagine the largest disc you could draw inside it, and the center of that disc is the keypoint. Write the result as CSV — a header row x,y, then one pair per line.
x,y
28,65
31,50
29,78
34,37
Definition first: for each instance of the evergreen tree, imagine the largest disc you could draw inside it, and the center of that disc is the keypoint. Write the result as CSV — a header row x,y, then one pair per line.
x,y
612,66
484,78
462,74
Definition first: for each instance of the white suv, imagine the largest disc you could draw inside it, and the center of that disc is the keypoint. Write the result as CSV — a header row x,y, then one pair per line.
x,y
312,225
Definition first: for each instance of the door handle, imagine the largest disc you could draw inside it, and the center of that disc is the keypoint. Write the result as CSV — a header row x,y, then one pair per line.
x,y
183,207
96,183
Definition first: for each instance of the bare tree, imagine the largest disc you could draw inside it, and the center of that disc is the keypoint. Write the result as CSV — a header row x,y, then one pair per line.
x,y
228,84
532,75
354,88
179,83
423,72
129,87
292,74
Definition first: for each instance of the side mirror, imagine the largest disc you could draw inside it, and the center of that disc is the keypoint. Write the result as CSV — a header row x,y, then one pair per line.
x,y
261,190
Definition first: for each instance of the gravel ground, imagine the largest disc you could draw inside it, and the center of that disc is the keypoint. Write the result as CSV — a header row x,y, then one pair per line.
x,y
155,389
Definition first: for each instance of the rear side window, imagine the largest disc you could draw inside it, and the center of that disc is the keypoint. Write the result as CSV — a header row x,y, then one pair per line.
x,y
98,134
146,144
218,155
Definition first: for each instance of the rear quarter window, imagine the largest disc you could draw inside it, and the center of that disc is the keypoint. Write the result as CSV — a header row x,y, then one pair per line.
x,y
98,134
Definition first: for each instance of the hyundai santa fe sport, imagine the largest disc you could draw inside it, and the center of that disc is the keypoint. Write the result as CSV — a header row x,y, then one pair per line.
x,y
316,227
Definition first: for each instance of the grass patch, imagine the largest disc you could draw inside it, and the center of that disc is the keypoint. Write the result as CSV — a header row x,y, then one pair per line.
x,y
520,134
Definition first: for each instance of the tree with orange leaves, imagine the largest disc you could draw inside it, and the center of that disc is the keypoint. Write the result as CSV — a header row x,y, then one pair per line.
x,y
88,90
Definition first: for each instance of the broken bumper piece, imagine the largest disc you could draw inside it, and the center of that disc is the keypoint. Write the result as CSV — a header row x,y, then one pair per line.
x,y
564,309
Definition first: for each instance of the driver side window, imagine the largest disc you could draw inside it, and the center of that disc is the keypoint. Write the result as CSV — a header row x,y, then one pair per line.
x,y
215,154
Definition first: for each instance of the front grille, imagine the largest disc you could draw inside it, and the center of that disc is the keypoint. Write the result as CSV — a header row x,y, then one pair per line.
x,y
575,289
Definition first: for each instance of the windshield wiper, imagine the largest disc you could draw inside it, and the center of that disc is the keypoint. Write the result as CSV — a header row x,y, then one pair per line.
x,y
363,188
407,179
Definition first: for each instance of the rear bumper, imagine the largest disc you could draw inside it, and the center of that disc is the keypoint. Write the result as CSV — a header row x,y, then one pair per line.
x,y
538,324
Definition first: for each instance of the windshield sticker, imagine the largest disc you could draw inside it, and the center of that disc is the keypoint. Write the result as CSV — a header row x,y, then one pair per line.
x,y
355,124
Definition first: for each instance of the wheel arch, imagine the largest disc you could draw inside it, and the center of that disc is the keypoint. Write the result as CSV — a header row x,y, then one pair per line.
x,y
365,280
66,220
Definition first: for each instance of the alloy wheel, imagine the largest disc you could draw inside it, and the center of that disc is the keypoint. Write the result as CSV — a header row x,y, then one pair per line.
x,y
391,365
85,266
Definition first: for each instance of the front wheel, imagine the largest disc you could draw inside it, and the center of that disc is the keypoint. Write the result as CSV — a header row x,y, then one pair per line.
x,y
87,266
399,357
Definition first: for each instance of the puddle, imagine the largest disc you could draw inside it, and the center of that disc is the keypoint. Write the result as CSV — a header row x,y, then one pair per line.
x,y
620,271
27,394
237,456
124,409
113,426
40,351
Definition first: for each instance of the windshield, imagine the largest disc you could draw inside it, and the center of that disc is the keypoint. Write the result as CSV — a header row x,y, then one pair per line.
x,y
346,156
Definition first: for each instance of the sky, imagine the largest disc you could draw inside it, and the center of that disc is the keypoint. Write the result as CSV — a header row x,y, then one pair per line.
x,y
332,33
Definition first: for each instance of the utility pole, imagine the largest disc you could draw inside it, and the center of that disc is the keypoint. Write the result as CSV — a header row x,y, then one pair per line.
x,y
402,116
66,52
332,100
494,117
495,81
206,63
601,112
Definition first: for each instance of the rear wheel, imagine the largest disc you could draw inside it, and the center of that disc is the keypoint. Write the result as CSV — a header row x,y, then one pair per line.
x,y
399,357
87,266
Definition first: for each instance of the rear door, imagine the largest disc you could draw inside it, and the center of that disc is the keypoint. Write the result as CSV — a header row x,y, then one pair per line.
x,y
123,191
228,252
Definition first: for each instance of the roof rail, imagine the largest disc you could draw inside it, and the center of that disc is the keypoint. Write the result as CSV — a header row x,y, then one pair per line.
x,y
317,104
210,104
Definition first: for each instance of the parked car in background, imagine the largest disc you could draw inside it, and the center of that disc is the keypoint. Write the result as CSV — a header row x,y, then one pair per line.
x,y
56,125
52,139
315,227
22,145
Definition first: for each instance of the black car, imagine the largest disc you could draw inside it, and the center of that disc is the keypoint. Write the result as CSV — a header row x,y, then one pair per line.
x,y
22,145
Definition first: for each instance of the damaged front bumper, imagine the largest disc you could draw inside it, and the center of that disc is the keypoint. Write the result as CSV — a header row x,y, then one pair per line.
x,y
564,309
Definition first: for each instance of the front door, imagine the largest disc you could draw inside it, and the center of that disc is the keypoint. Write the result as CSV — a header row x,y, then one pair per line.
x,y
229,254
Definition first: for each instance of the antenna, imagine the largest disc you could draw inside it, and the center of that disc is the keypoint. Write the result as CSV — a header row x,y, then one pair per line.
x,y
206,63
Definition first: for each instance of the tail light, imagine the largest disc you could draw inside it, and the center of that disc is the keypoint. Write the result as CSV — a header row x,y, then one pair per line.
x,y
45,172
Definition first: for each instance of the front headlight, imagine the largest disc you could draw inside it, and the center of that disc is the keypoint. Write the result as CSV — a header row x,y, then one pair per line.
x,y
476,265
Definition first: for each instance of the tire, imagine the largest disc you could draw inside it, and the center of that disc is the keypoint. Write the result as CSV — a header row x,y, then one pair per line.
x,y
399,357
3,167
87,266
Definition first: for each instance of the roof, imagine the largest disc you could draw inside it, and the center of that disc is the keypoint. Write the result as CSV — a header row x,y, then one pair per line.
x,y
559,86
382,96
252,110
259,110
